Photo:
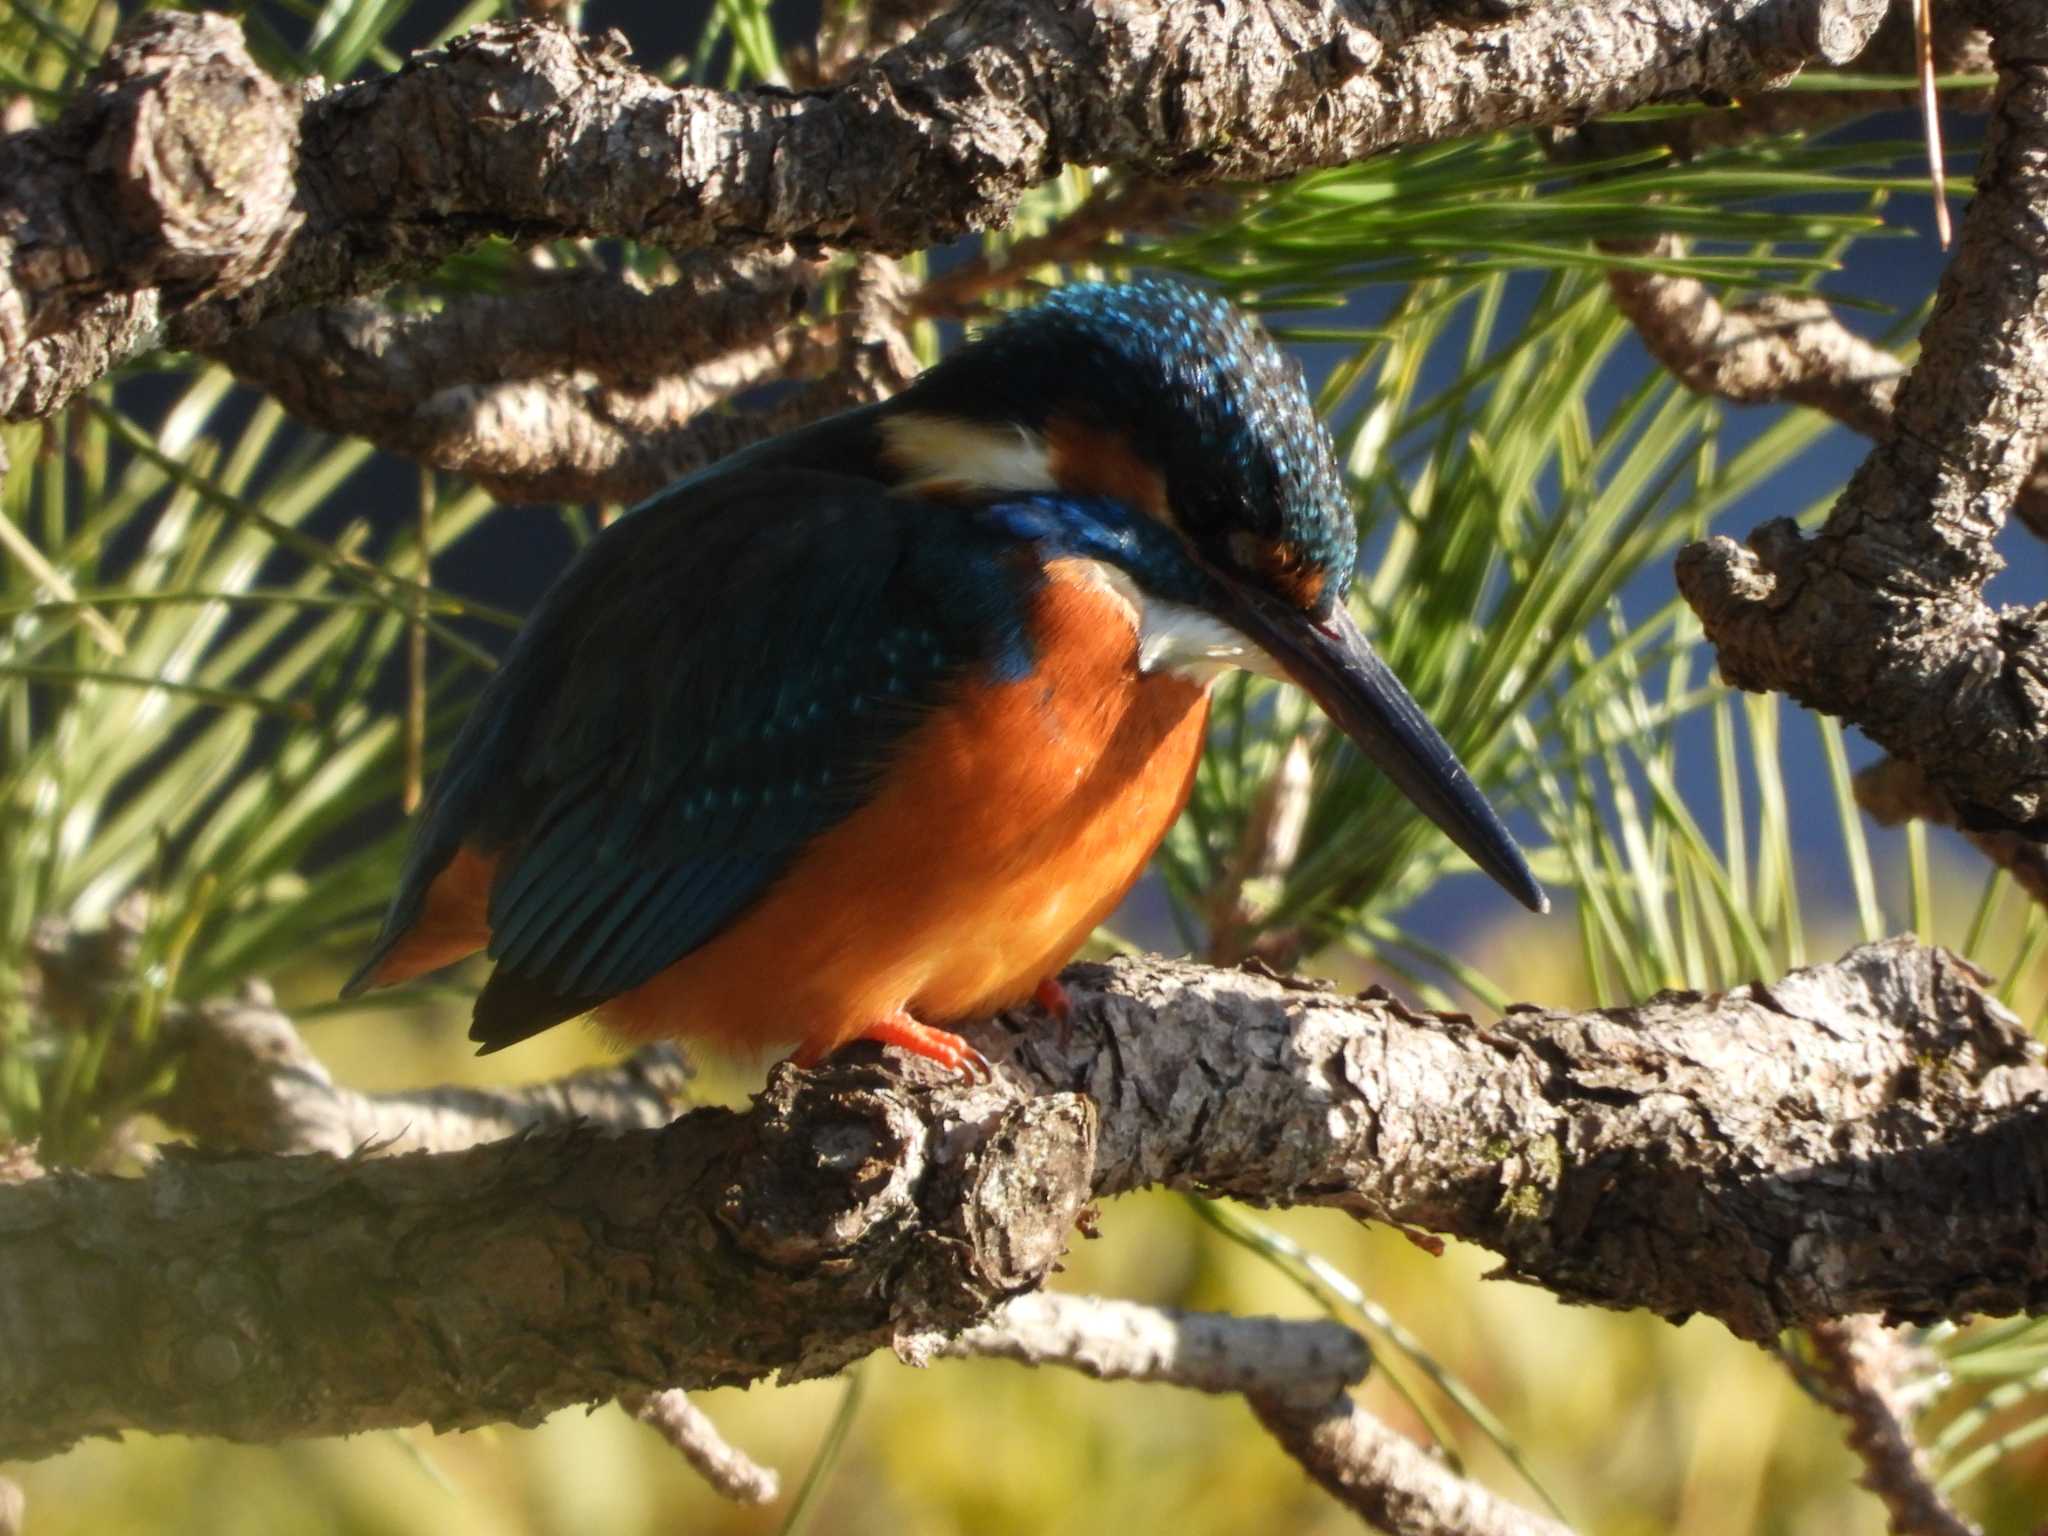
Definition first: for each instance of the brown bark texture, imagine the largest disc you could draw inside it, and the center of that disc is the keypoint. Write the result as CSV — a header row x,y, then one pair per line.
x,y
1864,1136
525,131
1880,618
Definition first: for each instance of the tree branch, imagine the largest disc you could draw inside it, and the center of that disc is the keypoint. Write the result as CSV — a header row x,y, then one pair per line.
x,y
1891,791
1295,1375
1864,1136
1859,1365
689,1429
525,131
1881,617
1126,1341
247,1083
1385,1477
167,181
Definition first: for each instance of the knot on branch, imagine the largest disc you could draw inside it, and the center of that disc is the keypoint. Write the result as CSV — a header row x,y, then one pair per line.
x,y
1836,31
1734,589
198,150
976,1187
181,156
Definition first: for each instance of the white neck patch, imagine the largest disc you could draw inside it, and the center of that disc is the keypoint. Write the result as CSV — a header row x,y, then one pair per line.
x,y
939,450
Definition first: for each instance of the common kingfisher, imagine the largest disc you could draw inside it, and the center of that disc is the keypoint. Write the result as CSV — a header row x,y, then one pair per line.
x,y
862,731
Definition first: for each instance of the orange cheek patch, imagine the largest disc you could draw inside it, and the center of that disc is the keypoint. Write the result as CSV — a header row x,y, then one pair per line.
x,y
1092,462
1302,584
1282,568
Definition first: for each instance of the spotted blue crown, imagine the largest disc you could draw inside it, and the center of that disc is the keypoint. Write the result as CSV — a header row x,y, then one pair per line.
x,y
1198,389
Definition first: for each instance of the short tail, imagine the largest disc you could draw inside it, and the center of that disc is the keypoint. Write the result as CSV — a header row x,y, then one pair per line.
x,y
449,921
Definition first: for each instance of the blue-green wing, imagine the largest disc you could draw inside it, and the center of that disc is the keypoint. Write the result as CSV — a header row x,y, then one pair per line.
x,y
718,679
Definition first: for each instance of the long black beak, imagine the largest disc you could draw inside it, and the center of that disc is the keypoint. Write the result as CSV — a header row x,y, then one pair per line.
x,y
1336,664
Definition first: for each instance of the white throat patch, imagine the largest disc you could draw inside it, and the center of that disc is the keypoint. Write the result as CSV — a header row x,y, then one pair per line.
x,y
1180,640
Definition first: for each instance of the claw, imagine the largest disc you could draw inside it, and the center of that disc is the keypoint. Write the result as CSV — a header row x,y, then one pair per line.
x,y
904,1032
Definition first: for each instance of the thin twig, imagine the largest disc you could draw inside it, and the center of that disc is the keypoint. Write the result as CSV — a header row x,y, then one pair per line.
x,y
1859,1364
730,1472
1388,1479
247,1082
1127,1341
1295,1373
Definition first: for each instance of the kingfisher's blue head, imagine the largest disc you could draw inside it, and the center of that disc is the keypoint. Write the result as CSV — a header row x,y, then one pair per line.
x,y
1167,399
1159,431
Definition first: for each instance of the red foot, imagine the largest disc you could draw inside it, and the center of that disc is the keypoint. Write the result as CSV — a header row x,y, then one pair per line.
x,y
1052,997
901,1030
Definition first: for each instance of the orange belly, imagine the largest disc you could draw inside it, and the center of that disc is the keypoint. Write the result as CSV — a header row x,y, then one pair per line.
x,y
1009,826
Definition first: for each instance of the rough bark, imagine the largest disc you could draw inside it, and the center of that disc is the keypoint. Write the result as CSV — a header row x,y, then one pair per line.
x,y
521,130
1881,618
169,180
1865,1136
312,1295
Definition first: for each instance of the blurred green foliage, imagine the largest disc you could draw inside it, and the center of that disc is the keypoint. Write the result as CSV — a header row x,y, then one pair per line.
x,y
200,629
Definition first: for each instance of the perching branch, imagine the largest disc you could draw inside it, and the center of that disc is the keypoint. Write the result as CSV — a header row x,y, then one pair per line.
x,y
524,131
1864,1136
1881,618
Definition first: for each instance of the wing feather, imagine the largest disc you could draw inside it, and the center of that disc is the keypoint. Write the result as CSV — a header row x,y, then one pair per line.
x,y
713,684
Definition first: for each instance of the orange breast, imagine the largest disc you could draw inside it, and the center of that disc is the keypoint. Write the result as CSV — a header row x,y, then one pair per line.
x,y
1011,824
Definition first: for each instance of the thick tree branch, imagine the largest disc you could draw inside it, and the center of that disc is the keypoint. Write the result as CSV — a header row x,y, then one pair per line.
x,y
1960,48
524,131
1865,1136
169,180
1881,617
